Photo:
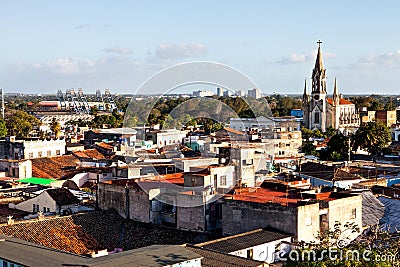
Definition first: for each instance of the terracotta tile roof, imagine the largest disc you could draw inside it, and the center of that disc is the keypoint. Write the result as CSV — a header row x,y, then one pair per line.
x,y
217,259
104,146
93,153
51,167
89,154
62,196
58,233
342,101
83,233
80,154
230,130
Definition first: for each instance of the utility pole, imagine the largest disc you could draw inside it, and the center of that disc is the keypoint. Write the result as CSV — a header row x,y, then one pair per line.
x,y
349,150
2,102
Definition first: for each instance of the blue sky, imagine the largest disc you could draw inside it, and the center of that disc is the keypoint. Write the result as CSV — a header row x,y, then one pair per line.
x,y
51,45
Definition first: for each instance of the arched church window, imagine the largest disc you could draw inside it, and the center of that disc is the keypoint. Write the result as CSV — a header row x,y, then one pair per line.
x,y
316,117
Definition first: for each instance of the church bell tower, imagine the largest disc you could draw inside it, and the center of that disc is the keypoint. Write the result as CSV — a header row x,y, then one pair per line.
x,y
317,103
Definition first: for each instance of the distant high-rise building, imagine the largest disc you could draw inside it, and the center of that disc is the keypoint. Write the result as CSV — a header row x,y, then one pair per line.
x,y
227,93
254,93
240,93
201,93
220,91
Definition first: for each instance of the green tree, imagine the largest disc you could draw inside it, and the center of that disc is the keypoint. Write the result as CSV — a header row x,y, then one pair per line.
x,y
306,133
55,127
308,148
333,249
373,136
390,105
338,147
3,128
330,131
20,123
94,110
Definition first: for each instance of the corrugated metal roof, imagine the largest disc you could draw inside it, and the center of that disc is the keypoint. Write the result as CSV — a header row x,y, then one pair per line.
x,y
243,241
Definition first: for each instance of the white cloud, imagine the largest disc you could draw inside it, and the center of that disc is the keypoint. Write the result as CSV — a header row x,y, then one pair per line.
x,y
389,59
114,72
118,50
304,58
179,51
63,66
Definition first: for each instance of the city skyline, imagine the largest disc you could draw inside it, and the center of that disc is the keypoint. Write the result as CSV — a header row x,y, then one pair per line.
x,y
49,46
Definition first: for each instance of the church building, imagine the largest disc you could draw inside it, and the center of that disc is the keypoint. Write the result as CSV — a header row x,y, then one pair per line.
x,y
320,112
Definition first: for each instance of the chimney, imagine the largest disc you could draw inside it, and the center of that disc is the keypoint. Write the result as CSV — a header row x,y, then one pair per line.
x,y
40,216
10,220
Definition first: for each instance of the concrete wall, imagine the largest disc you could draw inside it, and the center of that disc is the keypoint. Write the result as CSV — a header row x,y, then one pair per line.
x,y
191,211
342,210
308,224
43,200
139,205
241,216
169,137
46,148
186,164
113,196
209,180
18,169
136,206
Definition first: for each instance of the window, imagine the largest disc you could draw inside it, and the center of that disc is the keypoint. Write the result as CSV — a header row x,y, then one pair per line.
x,y
222,180
316,117
58,152
49,153
34,208
353,213
30,155
40,154
250,253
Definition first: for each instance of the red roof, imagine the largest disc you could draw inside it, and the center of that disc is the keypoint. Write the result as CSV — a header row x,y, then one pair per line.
x,y
48,104
342,101
264,195
228,129
105,145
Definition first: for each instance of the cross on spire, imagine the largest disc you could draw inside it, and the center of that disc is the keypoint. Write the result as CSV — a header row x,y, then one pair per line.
x,y
319,43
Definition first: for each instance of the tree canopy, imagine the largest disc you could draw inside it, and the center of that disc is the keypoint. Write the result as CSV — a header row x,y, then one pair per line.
x,y
373,136
20,123
3,128
338,147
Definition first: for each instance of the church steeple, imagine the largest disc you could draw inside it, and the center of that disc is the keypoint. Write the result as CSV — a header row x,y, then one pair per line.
x,y
318,74
336,96
319,65
306,98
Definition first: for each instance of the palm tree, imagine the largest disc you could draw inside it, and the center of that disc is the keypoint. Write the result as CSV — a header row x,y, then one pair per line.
x,y
55,127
